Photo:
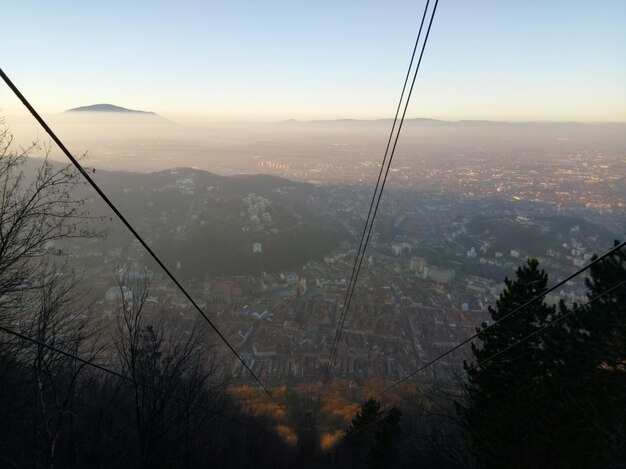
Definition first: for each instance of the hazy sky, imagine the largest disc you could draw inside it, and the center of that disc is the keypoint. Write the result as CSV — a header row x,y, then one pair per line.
x,y
270,60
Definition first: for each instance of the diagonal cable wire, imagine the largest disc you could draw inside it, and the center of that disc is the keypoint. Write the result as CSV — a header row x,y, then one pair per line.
x,y
380,175
525,338
126,223
506,316
367,220
361,253
500,352
544,327
127,378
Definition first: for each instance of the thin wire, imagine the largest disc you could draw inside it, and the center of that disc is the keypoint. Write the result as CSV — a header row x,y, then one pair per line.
x,y
504,350
361,252
505,317
347,306
369,213
521,341
544,327
127,378
132,230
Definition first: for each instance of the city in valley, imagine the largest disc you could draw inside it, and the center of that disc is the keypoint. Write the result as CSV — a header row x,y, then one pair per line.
x,y
313,235
267,248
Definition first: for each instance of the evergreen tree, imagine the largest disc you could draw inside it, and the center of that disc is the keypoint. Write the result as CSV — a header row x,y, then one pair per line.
x,y
588,419
370,435
505,396
558,399
604,323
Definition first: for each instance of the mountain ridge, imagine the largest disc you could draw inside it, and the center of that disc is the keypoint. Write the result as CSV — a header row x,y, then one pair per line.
x,y
105,107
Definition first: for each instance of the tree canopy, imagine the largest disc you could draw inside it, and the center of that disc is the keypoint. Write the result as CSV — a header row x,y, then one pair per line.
x,y
557,398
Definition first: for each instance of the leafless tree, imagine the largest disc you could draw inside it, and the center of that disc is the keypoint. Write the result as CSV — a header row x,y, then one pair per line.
x,y
56,411
171,362
57,319
38,208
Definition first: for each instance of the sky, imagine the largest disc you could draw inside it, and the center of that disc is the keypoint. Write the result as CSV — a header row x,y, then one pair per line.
x,y
272,60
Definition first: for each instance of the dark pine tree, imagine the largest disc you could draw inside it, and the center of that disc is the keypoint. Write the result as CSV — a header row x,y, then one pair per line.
x,y
558,399
588,420
504,396
370,435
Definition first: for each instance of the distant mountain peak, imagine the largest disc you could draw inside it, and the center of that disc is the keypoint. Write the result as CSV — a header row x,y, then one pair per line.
x,y
107,108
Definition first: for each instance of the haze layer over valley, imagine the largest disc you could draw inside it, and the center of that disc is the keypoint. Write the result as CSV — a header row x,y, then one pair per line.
x,y
261,222
267,217
323,152
221,248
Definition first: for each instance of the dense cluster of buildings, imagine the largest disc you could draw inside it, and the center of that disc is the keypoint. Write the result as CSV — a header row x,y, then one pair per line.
x,y
435,262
